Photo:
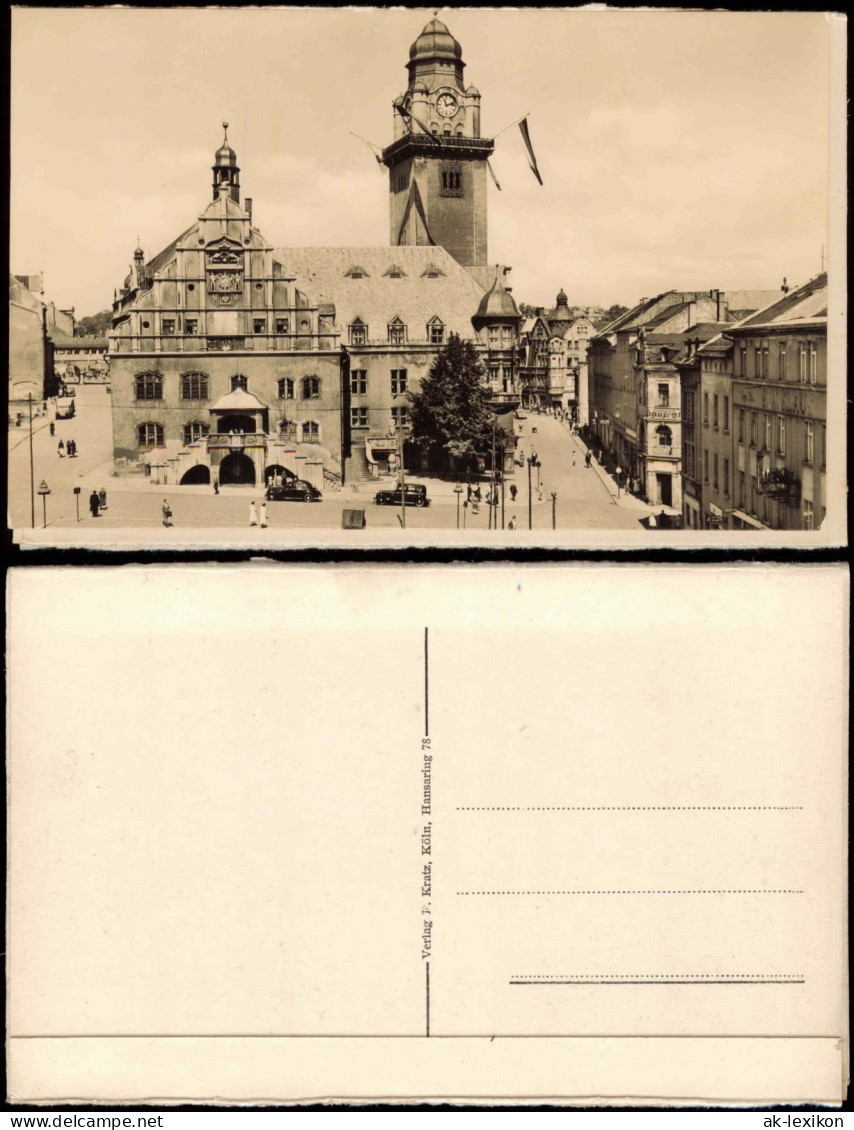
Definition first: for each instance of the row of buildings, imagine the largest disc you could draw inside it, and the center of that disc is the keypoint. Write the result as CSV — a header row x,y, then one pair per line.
x,y
714,405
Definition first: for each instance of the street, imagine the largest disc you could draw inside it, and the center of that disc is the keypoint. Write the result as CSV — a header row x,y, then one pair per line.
x,y
584,500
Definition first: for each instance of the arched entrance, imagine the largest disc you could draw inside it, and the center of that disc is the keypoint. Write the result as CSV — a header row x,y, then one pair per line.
x,y
237,469
196,475
237,423
276,474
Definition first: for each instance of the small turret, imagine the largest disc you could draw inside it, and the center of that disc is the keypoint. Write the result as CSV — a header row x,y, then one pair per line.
x,y
226,173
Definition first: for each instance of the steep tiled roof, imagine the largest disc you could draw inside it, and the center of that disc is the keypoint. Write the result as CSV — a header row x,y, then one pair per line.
x,y
806,301
453,297
64,341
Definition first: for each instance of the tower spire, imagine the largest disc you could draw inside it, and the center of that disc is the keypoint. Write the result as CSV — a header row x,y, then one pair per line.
x,y
226,173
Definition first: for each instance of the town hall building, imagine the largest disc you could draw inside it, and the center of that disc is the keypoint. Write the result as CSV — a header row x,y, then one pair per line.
x,y
237,361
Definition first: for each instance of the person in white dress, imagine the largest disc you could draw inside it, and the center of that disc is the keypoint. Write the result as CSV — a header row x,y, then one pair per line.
x,y
263,515
253,514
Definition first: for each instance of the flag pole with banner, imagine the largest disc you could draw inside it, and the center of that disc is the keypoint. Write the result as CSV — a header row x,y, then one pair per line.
x,y
532,160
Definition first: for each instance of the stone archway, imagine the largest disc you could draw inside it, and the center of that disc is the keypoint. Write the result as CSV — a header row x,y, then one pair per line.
x,y
237,469
200,474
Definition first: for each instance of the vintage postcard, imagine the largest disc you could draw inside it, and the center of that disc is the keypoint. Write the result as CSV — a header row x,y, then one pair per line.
x,y
533,833
371,277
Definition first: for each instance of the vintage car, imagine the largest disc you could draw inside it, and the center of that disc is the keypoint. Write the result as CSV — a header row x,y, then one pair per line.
x,y
295,490
416,495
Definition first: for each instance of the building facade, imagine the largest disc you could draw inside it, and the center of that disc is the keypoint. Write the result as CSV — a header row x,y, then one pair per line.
x,y
235,360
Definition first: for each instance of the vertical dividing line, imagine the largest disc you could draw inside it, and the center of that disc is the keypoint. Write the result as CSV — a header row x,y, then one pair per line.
x,y
426,683
427,990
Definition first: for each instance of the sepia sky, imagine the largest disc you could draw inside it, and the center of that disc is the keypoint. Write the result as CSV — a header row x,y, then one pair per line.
x,y
682,150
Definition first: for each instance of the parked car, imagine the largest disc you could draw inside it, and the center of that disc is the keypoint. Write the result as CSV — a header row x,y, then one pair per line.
x,y
296,490
416,495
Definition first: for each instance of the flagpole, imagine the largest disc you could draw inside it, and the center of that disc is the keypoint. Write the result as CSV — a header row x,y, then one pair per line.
x,y
512,124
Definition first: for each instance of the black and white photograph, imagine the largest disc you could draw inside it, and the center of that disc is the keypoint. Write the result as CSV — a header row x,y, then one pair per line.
x,y
413,276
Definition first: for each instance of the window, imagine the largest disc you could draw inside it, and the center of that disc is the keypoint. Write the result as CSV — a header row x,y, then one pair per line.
x,y
168,327
398,381
358,332
808,515
823,447
726,414
741,425
767,432
781,435
194,386
194,431
753,430
400,417
741,488
705,465
435,331
149,386
311,432
358,382
150,435
757,362
715,478
396,332
726,477
743,357
452,184
665,436
802,363
688,405
285,386
715,411
259,325
494,337
282,325
358,417
191,325
782,363
705,408
689,460
664,396
288,430
311,388
809,442
239,381
813,363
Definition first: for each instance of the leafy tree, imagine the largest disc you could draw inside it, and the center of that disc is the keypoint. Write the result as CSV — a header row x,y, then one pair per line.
x,y
94,325
615,311
451,414
527,311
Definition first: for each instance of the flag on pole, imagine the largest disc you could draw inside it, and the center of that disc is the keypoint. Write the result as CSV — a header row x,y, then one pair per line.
x,y
494,177
409,118
532,160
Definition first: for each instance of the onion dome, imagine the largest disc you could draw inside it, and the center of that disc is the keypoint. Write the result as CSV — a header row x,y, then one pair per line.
x,y
435,42
561,312
225,155
497,303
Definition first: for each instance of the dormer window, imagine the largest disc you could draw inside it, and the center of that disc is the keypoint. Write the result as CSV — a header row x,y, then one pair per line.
x,y
396,332
431,271
356,272
358,332
436,331
394,272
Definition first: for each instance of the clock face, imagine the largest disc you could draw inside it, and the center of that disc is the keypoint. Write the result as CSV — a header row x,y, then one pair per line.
x,y
446,104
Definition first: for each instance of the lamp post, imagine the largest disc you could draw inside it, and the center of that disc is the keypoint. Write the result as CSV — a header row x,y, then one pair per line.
x,y
402,476
44,491
458,491
77,501
554,510
32,476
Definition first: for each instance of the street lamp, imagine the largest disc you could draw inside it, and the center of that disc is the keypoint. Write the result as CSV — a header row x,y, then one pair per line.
x,y
77,501
458,491
532,462
44,491
32,477
554,510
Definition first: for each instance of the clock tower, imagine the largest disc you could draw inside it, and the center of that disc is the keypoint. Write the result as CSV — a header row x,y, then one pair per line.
x,y
437,161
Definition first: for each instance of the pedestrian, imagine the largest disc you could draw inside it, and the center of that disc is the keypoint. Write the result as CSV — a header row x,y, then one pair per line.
x,y
263,515
511,525
52,428
69,449
61,450
94,503
166,511
102,498
216,485
540,494
253,514
478,493
573,458
587,459
513,492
